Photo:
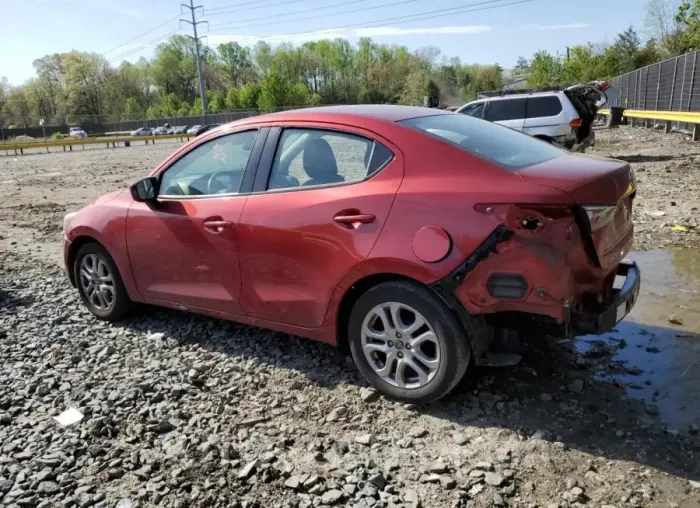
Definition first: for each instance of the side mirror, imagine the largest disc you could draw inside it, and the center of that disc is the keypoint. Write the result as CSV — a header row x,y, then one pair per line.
x,y
145,190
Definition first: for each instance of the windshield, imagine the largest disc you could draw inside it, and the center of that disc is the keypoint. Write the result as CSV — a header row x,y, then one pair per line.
x,y
495,143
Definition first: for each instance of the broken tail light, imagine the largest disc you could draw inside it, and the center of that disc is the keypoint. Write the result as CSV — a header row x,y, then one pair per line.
x,y
599,216
575,124
529,219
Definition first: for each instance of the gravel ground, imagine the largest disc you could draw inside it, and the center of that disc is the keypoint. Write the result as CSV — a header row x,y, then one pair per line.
x,y
181,410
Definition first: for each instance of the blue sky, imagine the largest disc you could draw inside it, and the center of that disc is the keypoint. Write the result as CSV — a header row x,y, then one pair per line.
x,y
477,31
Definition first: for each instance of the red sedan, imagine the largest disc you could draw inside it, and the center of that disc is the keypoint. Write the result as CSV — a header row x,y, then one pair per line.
x,y
417,239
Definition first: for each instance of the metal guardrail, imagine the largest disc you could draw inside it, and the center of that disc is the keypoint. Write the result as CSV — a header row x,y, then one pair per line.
x,y
687,118
667,116
70,143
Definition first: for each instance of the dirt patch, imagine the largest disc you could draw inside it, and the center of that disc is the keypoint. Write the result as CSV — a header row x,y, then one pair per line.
x,y
37,190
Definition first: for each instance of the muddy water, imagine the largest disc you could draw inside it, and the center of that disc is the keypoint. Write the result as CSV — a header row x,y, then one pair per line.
x,y
656,360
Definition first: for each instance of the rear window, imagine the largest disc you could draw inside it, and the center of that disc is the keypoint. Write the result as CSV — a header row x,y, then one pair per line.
x,y
506,109
540,107
495,143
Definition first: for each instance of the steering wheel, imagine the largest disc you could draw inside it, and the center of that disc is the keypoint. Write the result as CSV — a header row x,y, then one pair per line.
x,y
221,183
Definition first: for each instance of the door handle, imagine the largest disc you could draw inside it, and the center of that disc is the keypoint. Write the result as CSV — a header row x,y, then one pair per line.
x,y
354,218
217,226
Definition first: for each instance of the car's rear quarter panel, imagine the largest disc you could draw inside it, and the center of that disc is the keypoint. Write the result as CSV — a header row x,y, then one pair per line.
x,y
441,186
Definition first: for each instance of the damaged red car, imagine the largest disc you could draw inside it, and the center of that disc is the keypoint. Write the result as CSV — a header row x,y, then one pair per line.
x,y
421,241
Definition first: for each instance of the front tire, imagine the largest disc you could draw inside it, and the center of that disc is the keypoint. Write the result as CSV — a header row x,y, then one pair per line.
x,y
407,343
99,284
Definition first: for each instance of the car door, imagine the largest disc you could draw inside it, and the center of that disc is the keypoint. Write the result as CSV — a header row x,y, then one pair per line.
x,y
322,195
183,248
544,116
507,112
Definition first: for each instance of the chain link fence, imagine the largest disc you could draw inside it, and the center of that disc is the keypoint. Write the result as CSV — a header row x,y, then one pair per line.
x,y
671,85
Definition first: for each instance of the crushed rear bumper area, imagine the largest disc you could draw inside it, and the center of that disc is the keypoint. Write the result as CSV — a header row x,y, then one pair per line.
x,y
596,323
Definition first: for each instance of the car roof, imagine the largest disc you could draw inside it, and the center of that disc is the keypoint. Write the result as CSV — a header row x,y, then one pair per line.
x,y
383,112
520,96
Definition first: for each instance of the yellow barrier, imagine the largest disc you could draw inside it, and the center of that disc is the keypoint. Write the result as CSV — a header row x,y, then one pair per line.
x,y
667,116
86,141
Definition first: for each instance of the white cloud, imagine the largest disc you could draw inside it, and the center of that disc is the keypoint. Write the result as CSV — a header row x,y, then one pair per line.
x,y
385,31
216,39
438,30
568,26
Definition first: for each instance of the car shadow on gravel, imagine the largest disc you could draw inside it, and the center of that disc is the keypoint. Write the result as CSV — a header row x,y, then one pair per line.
x,y
652,158
555,394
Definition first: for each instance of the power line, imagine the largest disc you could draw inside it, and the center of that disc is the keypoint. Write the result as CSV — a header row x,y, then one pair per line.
x,y
220,25
213,12
394,20
143,46
143,34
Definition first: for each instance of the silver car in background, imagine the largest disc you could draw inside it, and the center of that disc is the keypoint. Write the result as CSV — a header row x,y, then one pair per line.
x,y
550,116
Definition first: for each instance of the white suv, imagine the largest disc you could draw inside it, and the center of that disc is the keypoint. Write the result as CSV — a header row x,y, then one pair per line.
x,y
550,116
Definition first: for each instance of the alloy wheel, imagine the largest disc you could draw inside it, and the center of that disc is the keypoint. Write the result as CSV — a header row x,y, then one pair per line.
x,y
400,345
97,282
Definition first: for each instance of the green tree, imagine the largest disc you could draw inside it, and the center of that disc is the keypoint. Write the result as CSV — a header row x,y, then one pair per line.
x,y
216,102
688,20
647,55
545,70
17,109
132,110
248,96
262,54
196,107
627,45
232,99
236,62
481,78
581,66
522,66
274,92
298,95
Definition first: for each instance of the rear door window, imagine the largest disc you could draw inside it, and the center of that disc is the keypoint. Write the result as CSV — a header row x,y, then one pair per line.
x,y
541,107
315,157
506,109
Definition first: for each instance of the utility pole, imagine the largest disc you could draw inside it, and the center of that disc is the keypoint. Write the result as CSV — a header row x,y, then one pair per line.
x,y
200,74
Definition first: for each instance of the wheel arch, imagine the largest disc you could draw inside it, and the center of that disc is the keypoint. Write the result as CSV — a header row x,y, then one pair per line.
x,y
73,249
83,236
543,137
350,297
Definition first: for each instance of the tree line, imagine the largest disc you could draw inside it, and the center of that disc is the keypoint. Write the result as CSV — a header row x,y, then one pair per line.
x,y
83,87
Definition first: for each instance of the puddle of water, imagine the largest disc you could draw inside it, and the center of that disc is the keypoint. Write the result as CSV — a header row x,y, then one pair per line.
x,y
660,362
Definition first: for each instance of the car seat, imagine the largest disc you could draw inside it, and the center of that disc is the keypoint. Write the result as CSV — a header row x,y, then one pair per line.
x,y
319,164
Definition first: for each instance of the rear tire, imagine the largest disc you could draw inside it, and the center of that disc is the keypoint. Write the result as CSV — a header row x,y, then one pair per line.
x,y
407,343
99,283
